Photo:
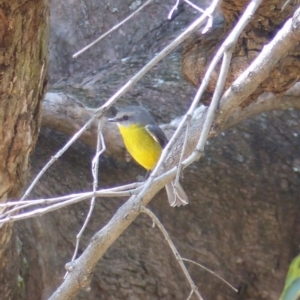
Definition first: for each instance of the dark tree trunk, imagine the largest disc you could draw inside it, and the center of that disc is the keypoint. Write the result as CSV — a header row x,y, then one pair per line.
x,y
23,65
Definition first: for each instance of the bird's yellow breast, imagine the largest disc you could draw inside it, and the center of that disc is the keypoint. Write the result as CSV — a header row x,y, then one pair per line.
x,y
141,145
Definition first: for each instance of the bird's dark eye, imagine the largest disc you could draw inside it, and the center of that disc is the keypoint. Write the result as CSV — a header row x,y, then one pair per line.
x,y
125,118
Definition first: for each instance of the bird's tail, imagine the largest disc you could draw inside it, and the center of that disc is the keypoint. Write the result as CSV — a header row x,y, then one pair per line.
x,y
177,198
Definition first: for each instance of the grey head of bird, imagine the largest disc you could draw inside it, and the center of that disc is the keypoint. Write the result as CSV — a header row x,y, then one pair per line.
x,y
133,115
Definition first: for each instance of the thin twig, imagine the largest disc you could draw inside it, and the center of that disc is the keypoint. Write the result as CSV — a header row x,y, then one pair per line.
x,y
57,155
194,6
175,7
121,191
285,5
182,153
190,295
104,192
41,211
111,30
214,103
209,22
95,166
173,248
211,272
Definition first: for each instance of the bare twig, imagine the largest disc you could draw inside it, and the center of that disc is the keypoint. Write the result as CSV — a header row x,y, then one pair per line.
x,y
211,272
285,5
95,166
175,7
190,295
120,191
41,211
194,6
111,30
111,192
188,122
214,103
173,248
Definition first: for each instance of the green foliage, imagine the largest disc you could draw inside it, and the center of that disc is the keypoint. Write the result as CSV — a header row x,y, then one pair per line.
x,y
291,289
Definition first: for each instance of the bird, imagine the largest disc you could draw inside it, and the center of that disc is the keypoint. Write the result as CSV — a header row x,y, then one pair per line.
x,y
144,140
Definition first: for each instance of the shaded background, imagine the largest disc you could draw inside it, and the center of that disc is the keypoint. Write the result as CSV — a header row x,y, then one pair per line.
x,y
243,218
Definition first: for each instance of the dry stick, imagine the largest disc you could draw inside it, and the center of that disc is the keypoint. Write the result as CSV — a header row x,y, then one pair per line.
x,y
194,6
123,188
72,199
41,211
176,183
258,71
173,248
284,5
211,272
175,7
190,295
111,30
130,83
214,103
121,191
95,166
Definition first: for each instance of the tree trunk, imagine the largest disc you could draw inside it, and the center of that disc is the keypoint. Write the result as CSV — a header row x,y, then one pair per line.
x,y
23,64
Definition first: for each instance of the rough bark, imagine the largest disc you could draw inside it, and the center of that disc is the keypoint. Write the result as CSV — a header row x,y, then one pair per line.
x,y
269,18
23,65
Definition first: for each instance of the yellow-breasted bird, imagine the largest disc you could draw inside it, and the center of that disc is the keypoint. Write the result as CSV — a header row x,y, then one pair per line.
x,y
144,140
291,290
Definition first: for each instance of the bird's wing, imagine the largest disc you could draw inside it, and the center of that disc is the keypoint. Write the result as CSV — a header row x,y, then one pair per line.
x,y
157,134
